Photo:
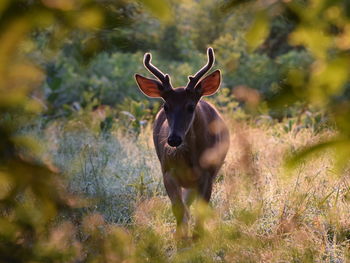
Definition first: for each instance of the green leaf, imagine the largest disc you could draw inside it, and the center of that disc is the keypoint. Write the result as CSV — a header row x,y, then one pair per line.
x,y
307,152
160,8
258,31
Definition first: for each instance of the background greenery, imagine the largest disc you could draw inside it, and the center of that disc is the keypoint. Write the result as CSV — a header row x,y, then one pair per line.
x,y
79,179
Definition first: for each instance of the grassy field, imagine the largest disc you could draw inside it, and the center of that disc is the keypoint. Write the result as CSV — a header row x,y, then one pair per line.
x,y
261,210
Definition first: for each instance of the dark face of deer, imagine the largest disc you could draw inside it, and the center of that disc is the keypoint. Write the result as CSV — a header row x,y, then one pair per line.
x,y
179,107
180,103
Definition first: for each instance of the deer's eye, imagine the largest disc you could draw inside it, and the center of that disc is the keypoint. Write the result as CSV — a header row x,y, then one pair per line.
x,y
191,108
165,107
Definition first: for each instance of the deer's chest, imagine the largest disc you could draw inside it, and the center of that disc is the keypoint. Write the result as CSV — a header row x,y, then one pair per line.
x,y
184,170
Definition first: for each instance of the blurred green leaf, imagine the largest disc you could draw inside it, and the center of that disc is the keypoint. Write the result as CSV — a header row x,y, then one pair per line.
x,y
258,30
333,144
161,9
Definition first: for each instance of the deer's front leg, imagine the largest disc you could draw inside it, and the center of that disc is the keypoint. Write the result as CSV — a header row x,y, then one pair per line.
x,y
205,188
180,210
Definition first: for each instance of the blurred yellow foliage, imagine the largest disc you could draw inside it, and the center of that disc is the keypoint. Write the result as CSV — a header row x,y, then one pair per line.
x,y
64,5
258,30
161,9
328,79
90,18
313,38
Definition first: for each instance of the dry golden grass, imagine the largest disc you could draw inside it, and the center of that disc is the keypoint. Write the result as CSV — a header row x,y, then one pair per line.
x,y
263,211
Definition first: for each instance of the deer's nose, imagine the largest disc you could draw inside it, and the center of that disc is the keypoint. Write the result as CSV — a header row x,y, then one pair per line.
x,y
174,140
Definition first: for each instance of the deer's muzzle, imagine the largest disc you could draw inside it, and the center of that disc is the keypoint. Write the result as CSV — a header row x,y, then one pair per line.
x,y
174,140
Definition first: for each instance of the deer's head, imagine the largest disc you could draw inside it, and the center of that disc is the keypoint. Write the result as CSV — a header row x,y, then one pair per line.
x,y
180,103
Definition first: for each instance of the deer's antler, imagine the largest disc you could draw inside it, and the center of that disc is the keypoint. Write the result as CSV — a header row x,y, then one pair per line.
x,y
196,78
163,78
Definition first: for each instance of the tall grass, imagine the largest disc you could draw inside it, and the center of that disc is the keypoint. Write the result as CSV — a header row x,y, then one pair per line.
x,y
261,210
112,170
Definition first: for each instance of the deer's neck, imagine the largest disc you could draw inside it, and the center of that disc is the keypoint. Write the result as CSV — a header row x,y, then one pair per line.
x,y
197,130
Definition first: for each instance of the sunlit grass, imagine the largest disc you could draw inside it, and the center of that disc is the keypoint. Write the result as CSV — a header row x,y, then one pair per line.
x,y
261,210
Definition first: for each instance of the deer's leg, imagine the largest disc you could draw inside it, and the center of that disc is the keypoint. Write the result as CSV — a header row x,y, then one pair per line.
x,y
180,210
189,196
205,188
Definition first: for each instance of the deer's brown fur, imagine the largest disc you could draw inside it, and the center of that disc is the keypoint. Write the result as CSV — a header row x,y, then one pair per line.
x,y
190,136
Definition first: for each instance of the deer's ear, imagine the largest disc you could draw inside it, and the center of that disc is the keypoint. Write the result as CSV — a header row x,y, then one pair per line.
x,y
210,84
149,87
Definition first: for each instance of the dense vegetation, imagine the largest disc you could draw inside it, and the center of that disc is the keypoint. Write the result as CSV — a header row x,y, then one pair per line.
x,y
79,179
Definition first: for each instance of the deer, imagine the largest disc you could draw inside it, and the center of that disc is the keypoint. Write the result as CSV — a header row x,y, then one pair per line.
x,y
190,137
